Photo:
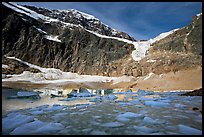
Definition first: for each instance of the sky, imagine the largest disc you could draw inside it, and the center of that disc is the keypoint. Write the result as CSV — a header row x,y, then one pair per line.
x,y
141,20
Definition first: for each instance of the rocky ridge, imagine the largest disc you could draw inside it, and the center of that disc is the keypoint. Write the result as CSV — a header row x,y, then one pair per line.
x,y
48,42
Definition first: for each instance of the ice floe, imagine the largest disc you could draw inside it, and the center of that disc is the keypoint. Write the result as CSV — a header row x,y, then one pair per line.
x,y
13,121
112,124
156,104
97,132
55,107
145,129
129,115
186,130
38,128
110,97
37,112
148,120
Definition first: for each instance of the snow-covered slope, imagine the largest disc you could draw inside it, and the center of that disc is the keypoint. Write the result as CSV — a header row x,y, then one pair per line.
x,y
70,17
37,16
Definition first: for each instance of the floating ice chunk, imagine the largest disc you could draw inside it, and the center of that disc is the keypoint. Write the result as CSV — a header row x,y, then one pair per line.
x,y
12,121
134,102
96,132
55,107
158,133
86,130
129,115
96,117
79,106
124,104
156,104
58,116
110,97
147,98
112,124
122,119
37,127
26,93
40,107
144,129
37,112
180,105
189,130
143,92
149,120
103,98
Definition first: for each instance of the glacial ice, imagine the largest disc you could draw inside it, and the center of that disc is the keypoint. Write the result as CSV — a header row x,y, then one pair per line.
x,y
112,124
37,128
186,130
15,120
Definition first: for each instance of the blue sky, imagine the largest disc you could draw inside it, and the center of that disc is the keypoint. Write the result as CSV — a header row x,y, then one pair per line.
x,y
141,20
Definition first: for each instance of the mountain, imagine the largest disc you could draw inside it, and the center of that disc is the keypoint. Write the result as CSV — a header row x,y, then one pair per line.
x,y
73,41
49,42
87,21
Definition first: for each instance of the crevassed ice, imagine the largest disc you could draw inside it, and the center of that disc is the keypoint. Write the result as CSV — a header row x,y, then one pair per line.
x,y
141,47
52,75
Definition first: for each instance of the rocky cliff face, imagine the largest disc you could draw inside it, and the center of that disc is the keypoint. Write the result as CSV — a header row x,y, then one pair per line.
x,y
49,40
181,50
79,18
186,40
75,50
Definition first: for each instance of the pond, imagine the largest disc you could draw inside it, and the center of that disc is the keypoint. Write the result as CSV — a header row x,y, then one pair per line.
x,y
129,114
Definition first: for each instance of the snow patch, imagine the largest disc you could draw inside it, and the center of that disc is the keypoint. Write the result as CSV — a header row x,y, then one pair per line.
x,y
198,14
5,66
151,60
53,38
149,75
40,30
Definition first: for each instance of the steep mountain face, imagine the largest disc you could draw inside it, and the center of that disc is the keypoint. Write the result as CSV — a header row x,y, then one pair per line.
x,y
79,18
69,48
180,50
186,40
68,40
